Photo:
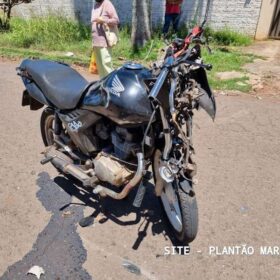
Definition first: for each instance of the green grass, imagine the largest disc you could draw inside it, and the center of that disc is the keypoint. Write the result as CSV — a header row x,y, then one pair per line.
x,y
52,36
48,37
228,37
48,33
224,60
18,53
124,51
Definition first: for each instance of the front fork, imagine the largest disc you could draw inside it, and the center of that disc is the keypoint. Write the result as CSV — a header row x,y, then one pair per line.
x,y
163,173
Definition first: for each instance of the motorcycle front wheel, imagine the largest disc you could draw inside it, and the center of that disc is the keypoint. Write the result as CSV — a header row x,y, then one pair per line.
x,y
180,206
181,210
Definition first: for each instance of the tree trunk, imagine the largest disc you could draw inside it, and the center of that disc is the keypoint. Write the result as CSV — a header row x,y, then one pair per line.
x,y
9,11
141,32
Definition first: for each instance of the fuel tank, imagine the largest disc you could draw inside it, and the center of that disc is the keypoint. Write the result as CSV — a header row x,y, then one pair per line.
x,y
122,96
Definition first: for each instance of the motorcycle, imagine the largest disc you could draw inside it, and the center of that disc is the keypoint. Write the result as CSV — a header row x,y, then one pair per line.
x,y
108,133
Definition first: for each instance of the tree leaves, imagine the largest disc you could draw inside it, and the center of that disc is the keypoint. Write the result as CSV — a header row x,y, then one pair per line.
x,y
6,6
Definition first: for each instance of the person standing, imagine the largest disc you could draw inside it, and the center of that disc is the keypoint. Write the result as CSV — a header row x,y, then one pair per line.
x,y
102,13
172,15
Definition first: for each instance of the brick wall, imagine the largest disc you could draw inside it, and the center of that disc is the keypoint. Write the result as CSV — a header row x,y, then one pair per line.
x,y
241,15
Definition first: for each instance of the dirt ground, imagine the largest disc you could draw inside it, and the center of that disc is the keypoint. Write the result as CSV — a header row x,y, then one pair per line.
x,y
238,192
265,70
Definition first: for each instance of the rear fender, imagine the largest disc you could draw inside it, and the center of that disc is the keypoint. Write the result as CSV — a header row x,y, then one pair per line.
x,y
33,95
28,100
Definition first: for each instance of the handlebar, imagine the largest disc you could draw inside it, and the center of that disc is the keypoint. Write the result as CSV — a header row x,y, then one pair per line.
x,y
159,83
206,66
184,59
168,66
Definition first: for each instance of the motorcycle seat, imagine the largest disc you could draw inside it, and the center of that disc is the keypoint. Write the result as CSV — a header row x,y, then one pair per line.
x,y
61,85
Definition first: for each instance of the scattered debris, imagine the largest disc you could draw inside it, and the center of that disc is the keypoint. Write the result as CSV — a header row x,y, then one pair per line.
x,y
241,84
195,181
222,93
69,54
258,87
66,214
244,209
36,270
131,267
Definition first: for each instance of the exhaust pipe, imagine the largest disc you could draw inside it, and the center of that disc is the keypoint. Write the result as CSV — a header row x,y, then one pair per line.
x,y
66,165
133,182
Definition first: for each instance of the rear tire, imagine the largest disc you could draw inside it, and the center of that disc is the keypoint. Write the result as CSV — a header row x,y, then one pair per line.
x,y
47,126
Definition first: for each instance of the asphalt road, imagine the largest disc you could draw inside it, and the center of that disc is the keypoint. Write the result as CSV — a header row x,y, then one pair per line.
x,y
238,192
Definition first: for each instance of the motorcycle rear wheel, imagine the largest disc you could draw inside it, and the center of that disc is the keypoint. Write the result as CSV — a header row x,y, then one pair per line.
x,y
47,126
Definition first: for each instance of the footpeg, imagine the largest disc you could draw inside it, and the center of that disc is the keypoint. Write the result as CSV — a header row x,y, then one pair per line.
x,y
86,221
46,160
140,195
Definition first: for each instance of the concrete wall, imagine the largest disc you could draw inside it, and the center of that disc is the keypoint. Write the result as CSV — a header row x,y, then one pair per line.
x,y
240,15
265,19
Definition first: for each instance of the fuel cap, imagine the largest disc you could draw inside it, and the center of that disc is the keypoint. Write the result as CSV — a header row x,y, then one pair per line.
x,y
133,66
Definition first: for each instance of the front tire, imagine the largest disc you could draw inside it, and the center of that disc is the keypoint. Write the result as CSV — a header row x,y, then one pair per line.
x,y
181,210
189,215
179,204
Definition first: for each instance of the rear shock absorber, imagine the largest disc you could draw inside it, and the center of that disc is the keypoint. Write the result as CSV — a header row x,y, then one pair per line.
x,y
57,124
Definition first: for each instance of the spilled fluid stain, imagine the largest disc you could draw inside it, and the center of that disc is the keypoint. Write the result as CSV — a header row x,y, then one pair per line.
x,y
58,248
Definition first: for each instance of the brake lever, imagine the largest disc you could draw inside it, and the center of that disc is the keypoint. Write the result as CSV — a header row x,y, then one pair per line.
x,y
206,66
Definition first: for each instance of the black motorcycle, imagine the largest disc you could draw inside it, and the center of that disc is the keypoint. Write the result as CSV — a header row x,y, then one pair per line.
x,y
108,133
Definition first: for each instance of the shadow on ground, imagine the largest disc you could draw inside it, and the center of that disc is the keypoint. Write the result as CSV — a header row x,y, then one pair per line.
x,y
59,249
149,215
